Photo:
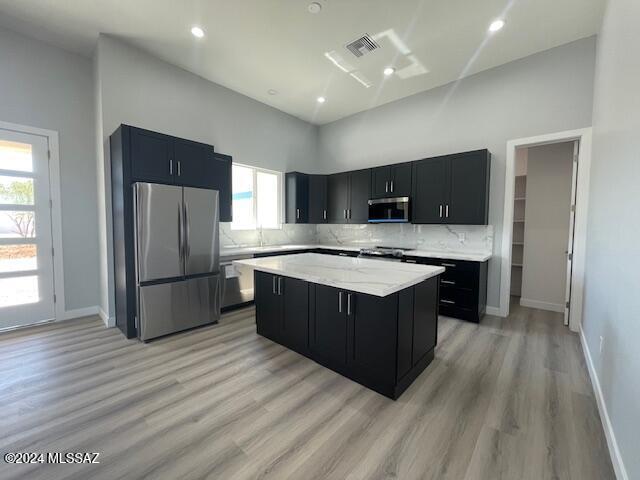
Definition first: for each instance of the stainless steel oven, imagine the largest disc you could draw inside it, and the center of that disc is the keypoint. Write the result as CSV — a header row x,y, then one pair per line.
x,y
389,210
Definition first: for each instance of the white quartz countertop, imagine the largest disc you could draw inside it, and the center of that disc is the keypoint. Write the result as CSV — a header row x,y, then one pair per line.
x,y
472,257
373,277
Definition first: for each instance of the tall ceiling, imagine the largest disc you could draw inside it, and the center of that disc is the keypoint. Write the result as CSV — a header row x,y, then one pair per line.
x,y
257,46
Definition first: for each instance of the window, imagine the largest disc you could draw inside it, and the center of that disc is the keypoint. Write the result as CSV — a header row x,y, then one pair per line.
x,y
256,198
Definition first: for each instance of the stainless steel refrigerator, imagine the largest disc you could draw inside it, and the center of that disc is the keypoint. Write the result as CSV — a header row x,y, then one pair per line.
x,y
177,258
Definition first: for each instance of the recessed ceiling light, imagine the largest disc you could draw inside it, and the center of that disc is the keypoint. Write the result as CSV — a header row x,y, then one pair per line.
x,y
271,91
389,71
496,25
314,7
197,32
321,99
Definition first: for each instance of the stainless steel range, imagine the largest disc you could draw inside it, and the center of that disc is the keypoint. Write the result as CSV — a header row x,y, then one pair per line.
x,y
383,253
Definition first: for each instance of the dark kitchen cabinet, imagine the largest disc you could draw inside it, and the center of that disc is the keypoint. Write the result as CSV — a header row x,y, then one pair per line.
x,y
391,181
318,199
452,189
463,287
152,155
282,310
328,336
469,188
359,195
337,197
430,190
269,313
347,196
373,322
297,197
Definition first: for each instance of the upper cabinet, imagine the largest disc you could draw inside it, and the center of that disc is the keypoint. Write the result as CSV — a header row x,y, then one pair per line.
x,y
452,189
391,181
318,199
297,197
347,196
159,158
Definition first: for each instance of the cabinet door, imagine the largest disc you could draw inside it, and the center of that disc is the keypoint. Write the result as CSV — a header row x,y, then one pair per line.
x,y
317,199
469,189
296,197
359,194
329,335
380,182
429,190
191,162
295,317
151,157
268,305
374,323
400,185
337,197
218,177
425,318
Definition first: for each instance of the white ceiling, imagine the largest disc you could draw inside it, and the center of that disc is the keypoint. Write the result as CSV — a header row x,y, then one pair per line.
x,y
252,46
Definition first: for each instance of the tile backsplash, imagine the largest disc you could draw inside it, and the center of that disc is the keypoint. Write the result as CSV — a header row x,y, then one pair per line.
x,y
288,234
439,238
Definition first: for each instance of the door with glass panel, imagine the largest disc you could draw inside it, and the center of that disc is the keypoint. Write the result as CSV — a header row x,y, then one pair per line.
x,y
26,252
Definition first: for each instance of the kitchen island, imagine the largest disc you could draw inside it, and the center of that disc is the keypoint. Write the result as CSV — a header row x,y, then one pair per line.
x,y
372,321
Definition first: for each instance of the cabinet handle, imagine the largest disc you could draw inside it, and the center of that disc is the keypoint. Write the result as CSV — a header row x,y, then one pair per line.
x,y
345,213
450,302
274,285
410,261
386,187
349,213
279,285
452,265
348,303
324,214
391,186
440,211
170,166
447,211
339,302
342,254
448,282
179,168
297,213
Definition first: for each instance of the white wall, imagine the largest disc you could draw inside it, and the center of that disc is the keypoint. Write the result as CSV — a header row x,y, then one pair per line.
x,y
546,92
612,284
546,227
43,86
141,90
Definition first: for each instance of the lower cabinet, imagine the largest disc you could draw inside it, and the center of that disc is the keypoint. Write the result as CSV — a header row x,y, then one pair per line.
x,y
383,343
282,310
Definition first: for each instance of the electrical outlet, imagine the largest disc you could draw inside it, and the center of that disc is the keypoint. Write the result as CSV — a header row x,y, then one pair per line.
x,y
601,343
462,237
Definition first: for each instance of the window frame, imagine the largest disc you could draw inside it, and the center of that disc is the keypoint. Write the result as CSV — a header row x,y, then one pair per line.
x,y
280,197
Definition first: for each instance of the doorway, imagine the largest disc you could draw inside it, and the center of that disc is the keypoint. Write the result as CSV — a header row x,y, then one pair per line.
x,y
577,247
27,293
543,221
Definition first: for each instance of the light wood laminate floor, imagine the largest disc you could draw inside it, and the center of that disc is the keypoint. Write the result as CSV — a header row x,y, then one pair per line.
x,y
510,398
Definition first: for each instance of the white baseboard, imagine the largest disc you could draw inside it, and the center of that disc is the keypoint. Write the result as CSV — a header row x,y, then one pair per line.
x,y
552,307
80,312
614,451
108,321
494,311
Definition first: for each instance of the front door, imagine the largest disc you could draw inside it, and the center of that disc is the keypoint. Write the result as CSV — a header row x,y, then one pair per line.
x,y
26,248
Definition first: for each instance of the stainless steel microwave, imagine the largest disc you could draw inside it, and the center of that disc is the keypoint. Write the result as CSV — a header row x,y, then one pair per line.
x,y
389,210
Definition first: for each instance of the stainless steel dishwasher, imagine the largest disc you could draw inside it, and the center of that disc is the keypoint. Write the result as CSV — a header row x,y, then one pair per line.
x,y
237,282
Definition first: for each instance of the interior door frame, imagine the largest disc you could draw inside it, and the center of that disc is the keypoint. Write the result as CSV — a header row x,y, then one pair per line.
x,y
56,214
583,136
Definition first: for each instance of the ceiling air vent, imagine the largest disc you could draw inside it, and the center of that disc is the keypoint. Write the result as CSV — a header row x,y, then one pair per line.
x,y
362,45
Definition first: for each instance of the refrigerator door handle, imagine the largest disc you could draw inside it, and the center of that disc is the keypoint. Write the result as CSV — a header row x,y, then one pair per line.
x,y
180,235
187,247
